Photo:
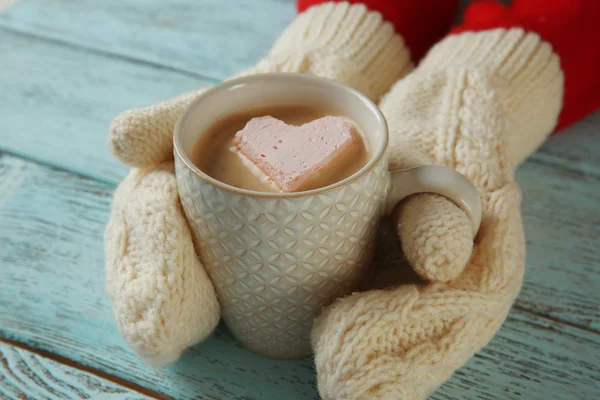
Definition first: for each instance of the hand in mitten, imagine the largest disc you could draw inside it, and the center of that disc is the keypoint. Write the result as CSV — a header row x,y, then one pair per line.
x,y
162,298
571,27
435,233
479,103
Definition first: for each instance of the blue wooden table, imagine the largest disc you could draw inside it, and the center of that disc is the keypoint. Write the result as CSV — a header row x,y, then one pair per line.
x,y
67,67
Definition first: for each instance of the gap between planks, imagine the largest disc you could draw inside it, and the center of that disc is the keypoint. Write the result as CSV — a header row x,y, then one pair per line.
x,y
517,306
100,374
107,54
56,167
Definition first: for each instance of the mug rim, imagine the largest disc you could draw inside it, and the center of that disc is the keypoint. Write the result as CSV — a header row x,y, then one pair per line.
x,y
282,77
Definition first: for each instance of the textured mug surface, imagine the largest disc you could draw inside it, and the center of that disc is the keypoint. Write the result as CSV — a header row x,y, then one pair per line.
x,y
276,262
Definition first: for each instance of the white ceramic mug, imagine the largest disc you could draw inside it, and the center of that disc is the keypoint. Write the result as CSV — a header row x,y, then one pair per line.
x,y
276,259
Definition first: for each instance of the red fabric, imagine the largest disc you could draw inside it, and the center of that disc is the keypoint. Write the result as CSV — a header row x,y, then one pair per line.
x,y
420,22
572,27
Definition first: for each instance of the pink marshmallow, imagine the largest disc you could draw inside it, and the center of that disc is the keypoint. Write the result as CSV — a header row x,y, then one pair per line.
x,y
291,155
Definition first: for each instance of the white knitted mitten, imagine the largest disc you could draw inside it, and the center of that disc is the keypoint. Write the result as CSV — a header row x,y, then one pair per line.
x,y
162,298
479,103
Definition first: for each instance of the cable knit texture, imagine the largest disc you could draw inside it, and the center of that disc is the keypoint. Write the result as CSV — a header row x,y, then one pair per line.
x,y
459,109
521,68
162,298
336,41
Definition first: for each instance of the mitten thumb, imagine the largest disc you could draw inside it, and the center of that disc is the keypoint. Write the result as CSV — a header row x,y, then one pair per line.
x,y
435,234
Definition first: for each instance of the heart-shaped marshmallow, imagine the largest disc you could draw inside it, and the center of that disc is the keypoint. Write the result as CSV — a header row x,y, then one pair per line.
x,y
292,155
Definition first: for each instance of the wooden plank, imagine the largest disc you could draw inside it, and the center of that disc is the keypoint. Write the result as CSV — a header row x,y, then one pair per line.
x,y
562,229
52,225
26,375
57,102
214,38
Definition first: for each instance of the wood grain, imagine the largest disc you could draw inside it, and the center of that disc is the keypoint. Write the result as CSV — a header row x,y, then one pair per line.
x,y
57,102
26,375
52,297
210,37
527,360
577,147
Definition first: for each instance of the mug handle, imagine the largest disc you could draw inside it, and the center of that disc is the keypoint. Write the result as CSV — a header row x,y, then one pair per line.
x,y
436,179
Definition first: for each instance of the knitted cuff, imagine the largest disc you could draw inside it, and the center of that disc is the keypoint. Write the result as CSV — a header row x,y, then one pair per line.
x,y
342,42
421,24
523,70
